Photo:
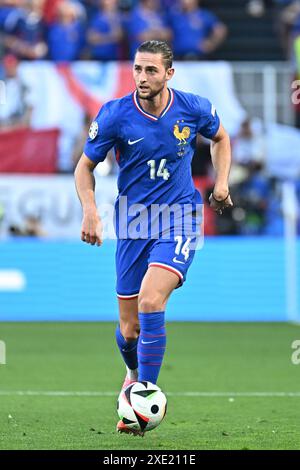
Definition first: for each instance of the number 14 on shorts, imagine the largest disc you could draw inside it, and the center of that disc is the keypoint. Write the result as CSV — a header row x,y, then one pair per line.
x,y
182,248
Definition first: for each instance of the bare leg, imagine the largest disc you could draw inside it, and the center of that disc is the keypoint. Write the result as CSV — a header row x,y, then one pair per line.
x,y
156,288
129,320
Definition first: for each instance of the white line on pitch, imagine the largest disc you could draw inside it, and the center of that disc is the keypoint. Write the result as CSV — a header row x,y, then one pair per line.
x,y
172,394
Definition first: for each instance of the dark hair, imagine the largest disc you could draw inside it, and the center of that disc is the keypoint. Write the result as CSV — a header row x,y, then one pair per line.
x,y
158,47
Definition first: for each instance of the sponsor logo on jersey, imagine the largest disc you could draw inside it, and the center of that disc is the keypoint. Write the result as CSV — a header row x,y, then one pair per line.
x,y
132,142
175,260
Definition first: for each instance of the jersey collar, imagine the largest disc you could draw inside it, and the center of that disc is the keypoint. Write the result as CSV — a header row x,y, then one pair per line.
x,y
151,116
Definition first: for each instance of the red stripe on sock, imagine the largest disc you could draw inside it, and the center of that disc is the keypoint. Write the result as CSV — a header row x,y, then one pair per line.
x,y
153,336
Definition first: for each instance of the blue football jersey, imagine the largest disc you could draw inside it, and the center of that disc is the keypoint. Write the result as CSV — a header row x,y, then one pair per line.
x,y
154,153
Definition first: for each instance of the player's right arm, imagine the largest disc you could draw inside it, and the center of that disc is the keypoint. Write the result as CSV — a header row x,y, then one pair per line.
x,y
102,137
91,229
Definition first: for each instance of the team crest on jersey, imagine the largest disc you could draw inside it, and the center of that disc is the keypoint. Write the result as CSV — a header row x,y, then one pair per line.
x,y
94,129
182,133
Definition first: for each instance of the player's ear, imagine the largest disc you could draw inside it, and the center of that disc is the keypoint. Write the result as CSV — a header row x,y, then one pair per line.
x,y
170,73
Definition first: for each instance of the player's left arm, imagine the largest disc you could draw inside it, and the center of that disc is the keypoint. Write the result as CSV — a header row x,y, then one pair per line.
x,y
221,160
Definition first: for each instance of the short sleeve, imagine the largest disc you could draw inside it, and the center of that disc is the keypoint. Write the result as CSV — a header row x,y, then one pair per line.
x,y
209,121
102,135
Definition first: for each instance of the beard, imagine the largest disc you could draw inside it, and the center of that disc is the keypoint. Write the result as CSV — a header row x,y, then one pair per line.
x,y
152,94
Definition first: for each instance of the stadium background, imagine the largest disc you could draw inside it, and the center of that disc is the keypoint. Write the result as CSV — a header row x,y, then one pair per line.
x,y
231,371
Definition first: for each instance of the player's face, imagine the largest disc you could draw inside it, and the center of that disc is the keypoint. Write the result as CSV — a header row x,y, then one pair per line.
x,y
150,74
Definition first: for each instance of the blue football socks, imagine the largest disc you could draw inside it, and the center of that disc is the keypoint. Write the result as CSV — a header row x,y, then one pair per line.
x,y
128,350
151,345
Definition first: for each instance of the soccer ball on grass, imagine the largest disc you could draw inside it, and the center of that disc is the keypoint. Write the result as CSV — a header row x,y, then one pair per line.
x,y
142,406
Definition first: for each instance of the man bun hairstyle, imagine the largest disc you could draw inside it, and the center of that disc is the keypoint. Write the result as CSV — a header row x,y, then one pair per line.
x,y
158,47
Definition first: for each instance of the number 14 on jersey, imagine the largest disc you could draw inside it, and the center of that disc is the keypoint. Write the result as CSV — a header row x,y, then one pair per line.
x,y
162,171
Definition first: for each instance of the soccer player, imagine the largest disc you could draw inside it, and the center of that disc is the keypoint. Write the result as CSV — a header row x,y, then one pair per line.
x,y
153,131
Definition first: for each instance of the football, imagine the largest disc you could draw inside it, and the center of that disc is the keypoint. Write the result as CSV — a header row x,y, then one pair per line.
x,y
142,406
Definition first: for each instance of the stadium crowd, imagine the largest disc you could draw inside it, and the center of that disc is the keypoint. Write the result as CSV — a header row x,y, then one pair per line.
x,y
66,30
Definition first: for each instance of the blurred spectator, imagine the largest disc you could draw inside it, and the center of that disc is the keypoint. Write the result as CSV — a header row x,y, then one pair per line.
x,y
249,145
50,9
257,8
105,32
25,31
66,34
196,32
17,110
294,44
168,5
146,22
127,5
6,7
290,27
91,8
32,228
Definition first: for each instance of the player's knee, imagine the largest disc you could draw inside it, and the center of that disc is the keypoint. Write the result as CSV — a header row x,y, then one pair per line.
x,y
149,304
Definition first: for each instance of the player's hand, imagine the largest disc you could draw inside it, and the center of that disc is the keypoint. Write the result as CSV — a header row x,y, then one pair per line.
x,y
92,228
220,202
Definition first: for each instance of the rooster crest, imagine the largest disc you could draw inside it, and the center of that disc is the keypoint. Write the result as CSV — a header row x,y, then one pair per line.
x,y
182,135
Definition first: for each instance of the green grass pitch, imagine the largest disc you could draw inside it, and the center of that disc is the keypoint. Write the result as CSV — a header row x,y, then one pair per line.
x,y
226,365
